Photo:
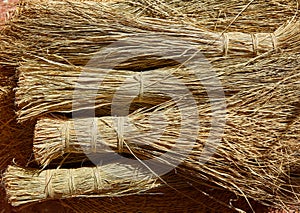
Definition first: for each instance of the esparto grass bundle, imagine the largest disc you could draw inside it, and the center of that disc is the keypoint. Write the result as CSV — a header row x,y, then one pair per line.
x,y
116,179
163,199
44,87
55,137
258,156
75,31
47,86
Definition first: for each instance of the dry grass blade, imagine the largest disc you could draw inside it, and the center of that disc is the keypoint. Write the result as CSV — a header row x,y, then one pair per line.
x,y
24,186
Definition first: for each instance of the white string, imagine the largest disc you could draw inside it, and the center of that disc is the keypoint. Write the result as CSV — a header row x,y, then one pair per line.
x,y
120,132
94,135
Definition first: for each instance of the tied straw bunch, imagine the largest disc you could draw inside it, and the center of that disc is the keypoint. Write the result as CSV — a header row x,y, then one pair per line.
x,y
111,180
257,157
50,28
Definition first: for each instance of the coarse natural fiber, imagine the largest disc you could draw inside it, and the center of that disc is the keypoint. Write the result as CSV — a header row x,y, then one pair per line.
x,y
259,153
193,197
39,92
76,31
116,179
55,137
232,15
35,99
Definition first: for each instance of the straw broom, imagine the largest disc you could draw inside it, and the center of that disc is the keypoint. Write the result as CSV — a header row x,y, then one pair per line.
x,y
66,29
258,155
116,179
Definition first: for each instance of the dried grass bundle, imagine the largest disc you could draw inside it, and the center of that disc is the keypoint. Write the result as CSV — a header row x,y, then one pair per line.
x,y
46,87
161,198
75,31
139,133
233,15
39,92
116,179
259,153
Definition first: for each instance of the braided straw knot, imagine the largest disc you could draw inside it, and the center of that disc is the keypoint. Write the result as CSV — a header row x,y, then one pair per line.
x,y
255,42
